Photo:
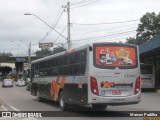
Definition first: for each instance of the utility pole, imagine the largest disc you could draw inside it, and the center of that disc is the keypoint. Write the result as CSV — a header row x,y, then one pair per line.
x,y
69,35
29,56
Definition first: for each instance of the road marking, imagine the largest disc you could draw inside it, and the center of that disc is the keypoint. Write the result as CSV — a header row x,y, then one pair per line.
x,y
4,108
14,108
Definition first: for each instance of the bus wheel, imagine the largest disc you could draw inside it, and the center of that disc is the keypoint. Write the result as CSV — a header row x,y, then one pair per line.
x,y
99,106
39,99
62,103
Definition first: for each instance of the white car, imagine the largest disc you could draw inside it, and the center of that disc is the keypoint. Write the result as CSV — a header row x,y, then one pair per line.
x,y
20,82
7,83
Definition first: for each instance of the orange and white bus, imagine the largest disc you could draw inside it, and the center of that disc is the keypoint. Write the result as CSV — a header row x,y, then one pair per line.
x,y
99,74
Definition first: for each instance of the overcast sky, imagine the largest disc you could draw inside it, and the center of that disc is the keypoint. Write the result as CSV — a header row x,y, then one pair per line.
x,y
17,29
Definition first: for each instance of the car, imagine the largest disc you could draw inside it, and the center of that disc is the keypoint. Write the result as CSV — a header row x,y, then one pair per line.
x,y
20,82
7,83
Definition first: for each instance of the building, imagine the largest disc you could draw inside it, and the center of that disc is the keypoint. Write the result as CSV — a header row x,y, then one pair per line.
x,y
150,53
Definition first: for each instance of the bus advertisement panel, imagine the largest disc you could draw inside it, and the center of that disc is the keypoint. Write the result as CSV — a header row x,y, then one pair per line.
x,y
116,56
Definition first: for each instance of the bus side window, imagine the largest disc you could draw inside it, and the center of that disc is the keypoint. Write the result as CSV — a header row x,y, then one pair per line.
x,y
83,68
72,58
32,72
75,69
55,71
48,72
41,70
53,62
57,62
78,57
83,56
83,61
36,69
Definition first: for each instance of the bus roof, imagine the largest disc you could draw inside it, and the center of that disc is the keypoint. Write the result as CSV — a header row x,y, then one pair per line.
x,y
61,53
79,48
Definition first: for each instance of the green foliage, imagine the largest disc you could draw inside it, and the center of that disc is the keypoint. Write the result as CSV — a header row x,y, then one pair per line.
x,y
47,52
43,52
58,49
148,28
5,54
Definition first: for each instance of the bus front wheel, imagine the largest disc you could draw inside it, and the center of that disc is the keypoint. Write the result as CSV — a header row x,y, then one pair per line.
x,y
99,106
62,103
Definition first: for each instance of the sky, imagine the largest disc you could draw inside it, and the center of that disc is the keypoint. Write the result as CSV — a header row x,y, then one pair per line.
x,y
87,18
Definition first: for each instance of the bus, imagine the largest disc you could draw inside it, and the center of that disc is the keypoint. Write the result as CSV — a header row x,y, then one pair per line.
x,y
5,72
97,74
147,75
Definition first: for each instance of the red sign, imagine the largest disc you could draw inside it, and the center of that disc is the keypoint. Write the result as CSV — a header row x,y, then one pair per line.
x,y
116,92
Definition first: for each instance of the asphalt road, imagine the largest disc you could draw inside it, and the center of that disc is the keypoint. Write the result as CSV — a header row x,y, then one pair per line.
x,y
18,99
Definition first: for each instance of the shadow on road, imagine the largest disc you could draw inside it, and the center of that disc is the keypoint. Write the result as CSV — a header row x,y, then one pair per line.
x,y
79,111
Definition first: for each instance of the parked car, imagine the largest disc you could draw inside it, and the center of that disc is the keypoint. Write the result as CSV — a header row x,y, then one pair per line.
x,y
20,82
7,83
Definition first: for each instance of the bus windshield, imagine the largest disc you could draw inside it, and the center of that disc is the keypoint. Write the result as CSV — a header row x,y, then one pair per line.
x,y
111,56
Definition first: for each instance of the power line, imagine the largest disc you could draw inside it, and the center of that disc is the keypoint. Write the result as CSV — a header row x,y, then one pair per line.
x,y
85,4
79,2
106,23
100,40
108,29
110,35
61,33
104,30
53,25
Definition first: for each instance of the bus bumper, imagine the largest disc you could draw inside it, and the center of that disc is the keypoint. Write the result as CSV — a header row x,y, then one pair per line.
x,y
127,100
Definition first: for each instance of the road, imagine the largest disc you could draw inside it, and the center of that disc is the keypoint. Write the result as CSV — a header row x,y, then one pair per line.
x,y
18,99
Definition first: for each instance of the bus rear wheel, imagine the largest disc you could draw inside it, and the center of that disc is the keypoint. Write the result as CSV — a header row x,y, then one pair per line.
x,y
62,103
99,106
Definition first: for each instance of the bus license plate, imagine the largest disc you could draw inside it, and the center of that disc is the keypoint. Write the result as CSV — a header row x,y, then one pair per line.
x,y
116,92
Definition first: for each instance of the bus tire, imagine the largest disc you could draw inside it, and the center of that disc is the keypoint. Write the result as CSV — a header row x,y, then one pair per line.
x,y
39,99
99,106
62,103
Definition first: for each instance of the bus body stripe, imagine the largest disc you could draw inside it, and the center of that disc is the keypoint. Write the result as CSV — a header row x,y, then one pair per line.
x,y
55,87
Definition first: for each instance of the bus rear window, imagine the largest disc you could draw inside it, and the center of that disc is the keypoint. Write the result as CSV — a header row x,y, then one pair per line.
x,y
111,56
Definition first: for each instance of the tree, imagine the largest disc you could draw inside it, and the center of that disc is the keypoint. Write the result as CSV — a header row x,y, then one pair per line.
x,y
58,49
43,52
5,54
148,28
131,40
46,52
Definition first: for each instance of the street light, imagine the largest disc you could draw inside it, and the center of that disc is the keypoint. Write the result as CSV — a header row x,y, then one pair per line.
x,y
45,23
